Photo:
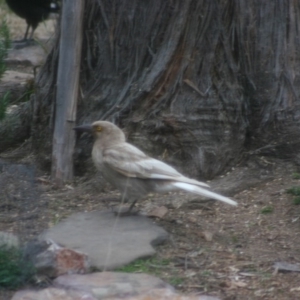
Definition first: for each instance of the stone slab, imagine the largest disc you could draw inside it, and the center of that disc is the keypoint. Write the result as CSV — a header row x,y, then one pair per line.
x,y
53,294
108,285
113,284
16,77
108,240
32,55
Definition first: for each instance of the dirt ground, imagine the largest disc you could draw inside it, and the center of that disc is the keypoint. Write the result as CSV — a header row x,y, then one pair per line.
x,y
213,249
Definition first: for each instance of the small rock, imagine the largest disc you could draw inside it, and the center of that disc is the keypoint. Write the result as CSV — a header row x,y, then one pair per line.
x,y
207,235
51,260
284,266
158,212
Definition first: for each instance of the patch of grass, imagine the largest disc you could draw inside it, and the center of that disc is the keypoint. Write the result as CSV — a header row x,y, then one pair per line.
x,y
266,210
251,269
296,175
30,89
149,265
206,273
5,43
154,266
14,270
295,190
175,281
4,101
266,275
4,46
296,200
234,238
56,219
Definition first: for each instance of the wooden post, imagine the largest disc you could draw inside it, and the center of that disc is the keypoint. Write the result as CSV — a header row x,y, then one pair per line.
x,y
67,89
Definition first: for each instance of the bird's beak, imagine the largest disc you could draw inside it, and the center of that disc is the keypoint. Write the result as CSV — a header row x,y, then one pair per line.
x,y
84,128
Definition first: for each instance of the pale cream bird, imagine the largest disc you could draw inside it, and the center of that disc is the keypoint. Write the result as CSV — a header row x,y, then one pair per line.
x,y
134,173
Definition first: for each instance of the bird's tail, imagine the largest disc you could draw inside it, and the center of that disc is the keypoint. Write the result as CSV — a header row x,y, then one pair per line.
x,y
203,192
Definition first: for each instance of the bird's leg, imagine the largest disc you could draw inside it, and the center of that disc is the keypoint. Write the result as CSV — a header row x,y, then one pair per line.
x,y
127,212
26,33
32,31
19,44
132,206
23,42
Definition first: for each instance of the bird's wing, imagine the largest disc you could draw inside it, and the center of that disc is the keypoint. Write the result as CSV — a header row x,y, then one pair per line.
x,y
132,162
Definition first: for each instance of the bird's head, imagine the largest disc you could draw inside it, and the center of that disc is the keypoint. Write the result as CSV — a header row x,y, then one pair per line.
x,y
103,131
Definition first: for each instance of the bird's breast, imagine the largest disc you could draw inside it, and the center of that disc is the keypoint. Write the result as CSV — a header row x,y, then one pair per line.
x,y
97,156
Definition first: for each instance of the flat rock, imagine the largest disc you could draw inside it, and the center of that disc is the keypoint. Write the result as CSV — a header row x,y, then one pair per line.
x,y
32,55
108,285
113,284
108,240
16,77
53,294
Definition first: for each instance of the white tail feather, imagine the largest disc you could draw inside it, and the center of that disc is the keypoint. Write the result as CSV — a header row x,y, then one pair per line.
x,y
203,192
182,179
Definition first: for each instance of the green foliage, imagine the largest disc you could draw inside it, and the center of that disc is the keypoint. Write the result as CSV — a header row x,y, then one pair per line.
x,y
234,238
175,281
296,175
295,190
4,45
266,210
154,266
14,270
30,89
206,273
4,101
150,265
296,200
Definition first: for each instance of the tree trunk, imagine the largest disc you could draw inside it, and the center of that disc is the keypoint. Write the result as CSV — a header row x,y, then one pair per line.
x,y
196,82
67,90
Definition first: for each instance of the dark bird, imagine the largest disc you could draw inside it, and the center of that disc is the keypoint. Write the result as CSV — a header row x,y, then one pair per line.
x,y
33,11
134,173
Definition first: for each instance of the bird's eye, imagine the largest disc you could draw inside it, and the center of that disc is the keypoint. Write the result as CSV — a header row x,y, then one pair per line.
x,y
98,128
